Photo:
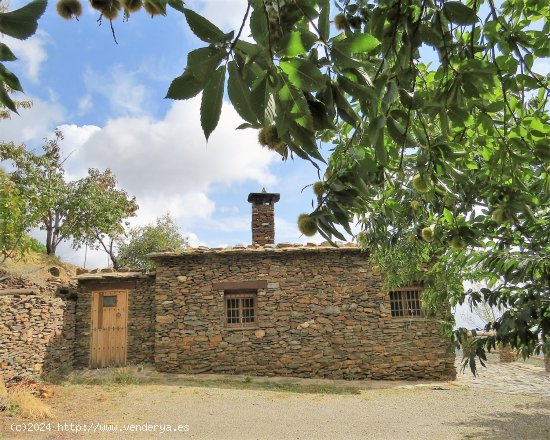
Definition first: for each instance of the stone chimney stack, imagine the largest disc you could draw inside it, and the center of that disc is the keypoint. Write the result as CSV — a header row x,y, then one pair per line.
x,y
263,217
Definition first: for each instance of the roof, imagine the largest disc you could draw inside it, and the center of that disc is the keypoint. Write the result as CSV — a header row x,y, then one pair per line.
x,y
251,249
109,274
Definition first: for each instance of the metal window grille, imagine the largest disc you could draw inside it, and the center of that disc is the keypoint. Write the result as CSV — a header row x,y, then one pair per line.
x,y
240,309
405,302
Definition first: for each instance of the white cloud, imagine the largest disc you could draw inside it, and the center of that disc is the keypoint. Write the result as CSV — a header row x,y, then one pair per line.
x,y
226,14
85,104
30,53
120,87
186,207
33,124
167,164
541,66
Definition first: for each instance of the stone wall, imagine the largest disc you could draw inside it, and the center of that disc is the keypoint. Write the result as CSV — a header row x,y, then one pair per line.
x,y
141,309
36,333
323,312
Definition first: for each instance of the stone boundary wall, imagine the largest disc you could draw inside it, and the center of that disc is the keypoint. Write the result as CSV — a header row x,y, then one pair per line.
x,y
322,313
141,321
36,334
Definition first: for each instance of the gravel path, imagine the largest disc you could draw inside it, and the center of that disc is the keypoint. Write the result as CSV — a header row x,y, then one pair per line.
x,y
506,402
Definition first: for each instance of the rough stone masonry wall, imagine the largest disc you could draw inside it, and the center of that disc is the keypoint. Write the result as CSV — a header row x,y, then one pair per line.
x,y
324,313
36,334
141,326
263,224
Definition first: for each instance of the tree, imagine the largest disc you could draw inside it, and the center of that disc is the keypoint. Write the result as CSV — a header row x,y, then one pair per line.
x,y
100,211
143,240
18,214
86,211
441,159
40,178
480,314
438,125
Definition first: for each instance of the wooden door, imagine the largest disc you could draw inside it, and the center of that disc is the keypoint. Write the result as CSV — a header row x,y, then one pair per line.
x,y
109,323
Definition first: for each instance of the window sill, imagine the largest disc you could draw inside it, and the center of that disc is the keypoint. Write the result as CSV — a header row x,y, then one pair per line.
x,y
409,318
249,327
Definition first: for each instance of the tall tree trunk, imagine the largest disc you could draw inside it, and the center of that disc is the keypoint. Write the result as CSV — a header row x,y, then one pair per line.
x,y
108,250
55,234
48,225
49,240
116,265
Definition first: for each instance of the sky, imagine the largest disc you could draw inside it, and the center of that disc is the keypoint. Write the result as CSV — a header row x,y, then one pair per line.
x,y
108,100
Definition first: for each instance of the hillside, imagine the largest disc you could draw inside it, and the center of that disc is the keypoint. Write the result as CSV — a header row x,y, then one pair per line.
x,y
36,270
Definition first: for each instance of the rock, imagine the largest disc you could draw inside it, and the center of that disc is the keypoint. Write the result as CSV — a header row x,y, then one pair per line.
x,y
54,270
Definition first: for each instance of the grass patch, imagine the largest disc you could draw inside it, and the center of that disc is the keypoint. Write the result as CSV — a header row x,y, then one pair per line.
x,y
119,376
21,402
58,375
268,386
126,376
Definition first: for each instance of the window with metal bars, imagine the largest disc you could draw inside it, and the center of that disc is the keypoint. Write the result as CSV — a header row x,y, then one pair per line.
x,y
405,302
240,309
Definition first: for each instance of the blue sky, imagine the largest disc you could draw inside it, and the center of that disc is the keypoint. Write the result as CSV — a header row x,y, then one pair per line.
x,y
108,99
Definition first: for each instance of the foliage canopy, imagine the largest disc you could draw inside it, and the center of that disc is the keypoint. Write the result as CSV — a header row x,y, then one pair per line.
x,y
144,240
439,124
90,211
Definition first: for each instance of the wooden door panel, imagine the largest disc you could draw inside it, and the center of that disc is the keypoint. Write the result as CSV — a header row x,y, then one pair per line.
x,y
109,328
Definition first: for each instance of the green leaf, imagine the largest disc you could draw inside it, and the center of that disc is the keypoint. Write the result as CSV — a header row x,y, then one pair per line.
x,y
324,20
305,139
10,79
343,59
239,93
22,23
345,110
6,54
258,25
375,133
357,43
459,13
212,99
245,125
396,131
203,28
185,86
297,42
304,74
203,61
392,92
298,104
6,100
177,5
354,89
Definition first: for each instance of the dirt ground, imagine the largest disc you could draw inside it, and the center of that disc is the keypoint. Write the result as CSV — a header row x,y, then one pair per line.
x,y
506,402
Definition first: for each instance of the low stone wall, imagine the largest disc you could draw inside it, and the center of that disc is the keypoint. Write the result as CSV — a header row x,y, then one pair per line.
x,y
36,333
321,313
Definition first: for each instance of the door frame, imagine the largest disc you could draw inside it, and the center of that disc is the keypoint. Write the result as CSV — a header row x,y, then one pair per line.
x,y
96,317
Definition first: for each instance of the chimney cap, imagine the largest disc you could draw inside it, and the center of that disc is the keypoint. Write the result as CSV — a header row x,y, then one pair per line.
x,y
263,197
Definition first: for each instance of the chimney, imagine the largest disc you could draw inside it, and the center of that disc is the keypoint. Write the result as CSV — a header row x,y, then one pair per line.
x,y
263,217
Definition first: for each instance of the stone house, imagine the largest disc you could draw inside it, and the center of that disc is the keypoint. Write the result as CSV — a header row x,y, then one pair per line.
x,y
263,309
